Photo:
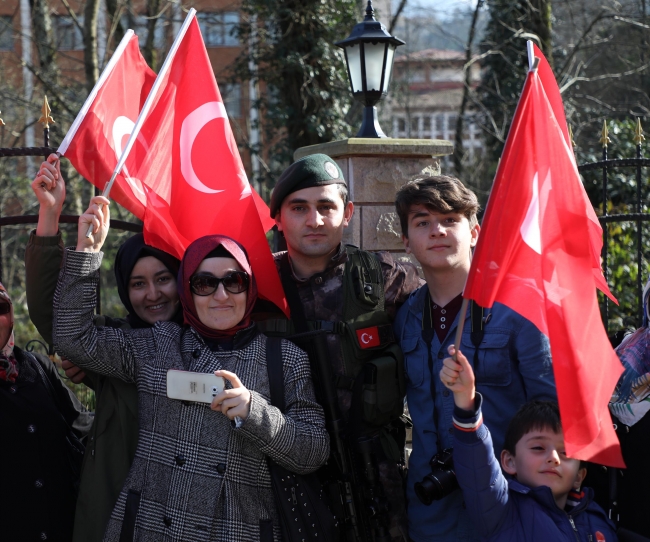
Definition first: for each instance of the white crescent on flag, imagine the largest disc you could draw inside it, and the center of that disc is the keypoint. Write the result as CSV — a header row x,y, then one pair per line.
x,y
190,128
530,231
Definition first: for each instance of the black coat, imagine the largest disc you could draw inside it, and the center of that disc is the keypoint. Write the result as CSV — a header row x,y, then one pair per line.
x,y
36,480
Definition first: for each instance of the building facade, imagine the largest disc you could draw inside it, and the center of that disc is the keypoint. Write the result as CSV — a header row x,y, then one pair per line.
x,y
426,96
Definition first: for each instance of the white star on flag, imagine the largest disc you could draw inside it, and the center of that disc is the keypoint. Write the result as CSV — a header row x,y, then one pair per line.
x,y
554,292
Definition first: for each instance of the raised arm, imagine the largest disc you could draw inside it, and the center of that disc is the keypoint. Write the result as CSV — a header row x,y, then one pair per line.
x,y
44,250
485,489
297,439
105,350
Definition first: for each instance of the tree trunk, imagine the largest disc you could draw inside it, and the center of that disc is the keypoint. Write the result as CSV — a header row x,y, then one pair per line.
x,y
149,52
459,153
541,25
91,61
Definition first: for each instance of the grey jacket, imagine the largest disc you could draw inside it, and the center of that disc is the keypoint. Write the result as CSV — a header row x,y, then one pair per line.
x,y
194,477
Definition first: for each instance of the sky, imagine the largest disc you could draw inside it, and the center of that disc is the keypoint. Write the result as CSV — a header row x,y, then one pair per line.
x,y
441,8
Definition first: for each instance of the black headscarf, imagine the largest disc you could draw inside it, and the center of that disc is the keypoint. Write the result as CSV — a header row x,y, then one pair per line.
x,y
128,255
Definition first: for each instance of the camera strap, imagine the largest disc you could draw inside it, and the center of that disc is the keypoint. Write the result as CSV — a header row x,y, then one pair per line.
x,y
477,331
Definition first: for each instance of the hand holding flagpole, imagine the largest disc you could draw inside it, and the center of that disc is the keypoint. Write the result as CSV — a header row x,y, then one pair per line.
x,y
145,109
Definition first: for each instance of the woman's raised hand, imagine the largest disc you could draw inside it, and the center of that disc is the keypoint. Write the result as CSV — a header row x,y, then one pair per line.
x,y
97,217
49,187
235,402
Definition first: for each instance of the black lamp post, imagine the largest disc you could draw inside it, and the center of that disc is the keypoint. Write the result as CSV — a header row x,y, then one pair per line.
x,y
369,53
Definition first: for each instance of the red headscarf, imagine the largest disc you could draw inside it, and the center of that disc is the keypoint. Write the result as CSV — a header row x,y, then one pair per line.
x,y
192,258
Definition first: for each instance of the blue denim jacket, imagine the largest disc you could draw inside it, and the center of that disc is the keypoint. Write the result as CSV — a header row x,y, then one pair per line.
x,y
514,366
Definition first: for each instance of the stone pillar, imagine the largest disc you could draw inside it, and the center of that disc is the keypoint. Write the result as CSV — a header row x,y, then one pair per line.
x,y
375,169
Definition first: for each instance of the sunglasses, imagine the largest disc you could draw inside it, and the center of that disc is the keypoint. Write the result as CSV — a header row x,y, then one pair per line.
x,y
235,283
5,307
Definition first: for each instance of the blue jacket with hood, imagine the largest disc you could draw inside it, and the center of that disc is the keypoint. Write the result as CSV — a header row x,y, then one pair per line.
x,y
507,511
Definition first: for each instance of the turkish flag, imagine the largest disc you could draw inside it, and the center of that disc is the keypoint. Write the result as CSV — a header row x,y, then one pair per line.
x,y
547,78
193,175
535,255
98,135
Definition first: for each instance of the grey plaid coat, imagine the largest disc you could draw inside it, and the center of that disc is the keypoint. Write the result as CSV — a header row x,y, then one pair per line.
x,y
194,477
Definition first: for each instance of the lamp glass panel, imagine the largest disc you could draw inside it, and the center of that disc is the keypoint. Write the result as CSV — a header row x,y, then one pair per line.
x,y
390,55
374,58
353,54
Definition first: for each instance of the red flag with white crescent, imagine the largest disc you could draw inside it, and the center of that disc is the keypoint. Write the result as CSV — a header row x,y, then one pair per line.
x,y
193,174
98,135
535,255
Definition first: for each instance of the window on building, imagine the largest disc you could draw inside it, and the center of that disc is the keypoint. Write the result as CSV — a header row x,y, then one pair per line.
x,y
218,29
426,124
67,34
6,33
138,23
231,95
451,122
415,130
401,125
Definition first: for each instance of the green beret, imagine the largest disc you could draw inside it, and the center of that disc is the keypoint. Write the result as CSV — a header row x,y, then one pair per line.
x,y
312,170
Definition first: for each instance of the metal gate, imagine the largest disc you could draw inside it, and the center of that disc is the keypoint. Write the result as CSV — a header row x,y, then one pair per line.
x,y
606,166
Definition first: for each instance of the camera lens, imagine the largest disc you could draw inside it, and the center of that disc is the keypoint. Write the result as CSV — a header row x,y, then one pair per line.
x,y
440,482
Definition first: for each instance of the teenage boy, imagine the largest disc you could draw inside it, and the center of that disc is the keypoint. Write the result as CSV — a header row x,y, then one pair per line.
x,y
543,501
311,208
512,362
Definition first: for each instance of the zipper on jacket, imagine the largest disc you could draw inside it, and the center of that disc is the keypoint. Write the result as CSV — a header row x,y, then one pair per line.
x,y
573,525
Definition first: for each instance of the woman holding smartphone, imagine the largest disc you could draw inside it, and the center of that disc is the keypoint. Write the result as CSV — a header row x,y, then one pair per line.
x,y
200,470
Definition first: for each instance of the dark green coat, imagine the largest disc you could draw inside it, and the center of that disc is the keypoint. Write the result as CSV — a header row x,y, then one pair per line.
x,y
114,436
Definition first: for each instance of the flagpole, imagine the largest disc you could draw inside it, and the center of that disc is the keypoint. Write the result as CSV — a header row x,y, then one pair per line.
x,y
146,107
533,62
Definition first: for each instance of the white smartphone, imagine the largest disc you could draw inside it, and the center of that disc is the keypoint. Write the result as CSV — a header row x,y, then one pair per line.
x,y
188,386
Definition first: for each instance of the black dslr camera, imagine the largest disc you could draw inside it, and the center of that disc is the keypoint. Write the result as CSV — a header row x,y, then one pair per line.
x,y
441,481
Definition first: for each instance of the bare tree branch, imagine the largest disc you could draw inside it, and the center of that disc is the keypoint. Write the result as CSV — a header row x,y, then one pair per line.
x,y
395,18
73,16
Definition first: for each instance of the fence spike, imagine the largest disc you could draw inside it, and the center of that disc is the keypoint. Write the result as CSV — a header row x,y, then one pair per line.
x,y
638,132
45,114
604,135
573,143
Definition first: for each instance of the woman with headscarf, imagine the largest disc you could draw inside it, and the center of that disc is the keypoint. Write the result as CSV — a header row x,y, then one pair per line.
x,y
200,471
37,411
146,283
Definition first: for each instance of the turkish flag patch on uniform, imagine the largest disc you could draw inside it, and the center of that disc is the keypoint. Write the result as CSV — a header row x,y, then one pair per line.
x,y
600,537
369,337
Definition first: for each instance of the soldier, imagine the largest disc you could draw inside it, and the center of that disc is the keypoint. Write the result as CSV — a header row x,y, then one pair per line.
x,y
352,295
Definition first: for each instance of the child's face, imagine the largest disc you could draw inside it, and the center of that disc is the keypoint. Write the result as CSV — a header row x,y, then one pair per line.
x,y
540,460
439,241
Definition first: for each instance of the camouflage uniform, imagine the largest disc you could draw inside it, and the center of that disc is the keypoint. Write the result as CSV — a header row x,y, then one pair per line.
x,y
322,298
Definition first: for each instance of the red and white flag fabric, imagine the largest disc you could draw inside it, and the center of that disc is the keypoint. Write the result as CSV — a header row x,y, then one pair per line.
x,y
98,135
193,175
535,254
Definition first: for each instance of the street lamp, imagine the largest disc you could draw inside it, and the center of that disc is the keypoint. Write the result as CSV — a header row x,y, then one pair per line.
x,y
369,53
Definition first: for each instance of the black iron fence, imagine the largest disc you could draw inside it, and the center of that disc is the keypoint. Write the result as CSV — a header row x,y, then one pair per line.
x,y
85,394
606,167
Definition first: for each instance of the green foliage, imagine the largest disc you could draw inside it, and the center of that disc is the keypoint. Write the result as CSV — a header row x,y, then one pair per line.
x,y
304,89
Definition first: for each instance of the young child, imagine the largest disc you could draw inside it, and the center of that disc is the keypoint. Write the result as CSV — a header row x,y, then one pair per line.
x,y
543,500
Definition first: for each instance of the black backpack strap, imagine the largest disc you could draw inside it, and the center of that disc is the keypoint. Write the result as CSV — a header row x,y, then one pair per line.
x,y
477,330
275,371
293,297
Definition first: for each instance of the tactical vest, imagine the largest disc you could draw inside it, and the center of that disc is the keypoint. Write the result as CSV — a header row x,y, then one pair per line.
x,y
373,361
